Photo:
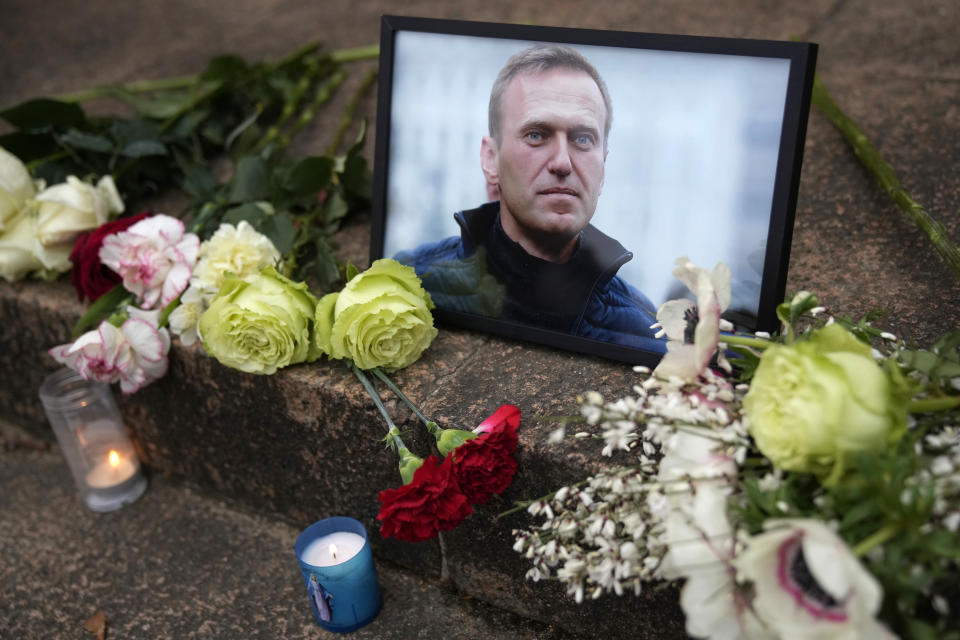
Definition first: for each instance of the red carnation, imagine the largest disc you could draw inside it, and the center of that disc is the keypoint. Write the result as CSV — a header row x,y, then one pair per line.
x,y
90,278
485,465
431,502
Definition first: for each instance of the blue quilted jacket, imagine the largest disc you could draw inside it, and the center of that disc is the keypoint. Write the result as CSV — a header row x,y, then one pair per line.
x,y
484,272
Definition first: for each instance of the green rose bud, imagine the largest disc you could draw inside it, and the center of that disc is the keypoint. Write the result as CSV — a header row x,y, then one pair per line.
x,y
812,403
381,318
261,324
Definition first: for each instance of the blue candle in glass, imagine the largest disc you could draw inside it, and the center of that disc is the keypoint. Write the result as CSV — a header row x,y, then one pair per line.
x,y
338,571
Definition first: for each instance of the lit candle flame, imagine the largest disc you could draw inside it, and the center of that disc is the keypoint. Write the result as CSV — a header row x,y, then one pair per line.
x,y
333,551
113,458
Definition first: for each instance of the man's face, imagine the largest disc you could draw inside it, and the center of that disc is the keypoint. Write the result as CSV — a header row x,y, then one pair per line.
x,y
549,163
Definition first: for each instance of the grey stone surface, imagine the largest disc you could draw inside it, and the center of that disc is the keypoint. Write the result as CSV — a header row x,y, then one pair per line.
x,y
301,444
180,563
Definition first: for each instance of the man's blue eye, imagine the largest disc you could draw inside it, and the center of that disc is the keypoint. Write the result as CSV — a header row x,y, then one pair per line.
x,y
534,136
584,140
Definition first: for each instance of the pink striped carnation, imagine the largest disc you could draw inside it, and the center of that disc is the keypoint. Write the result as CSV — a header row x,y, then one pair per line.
x,y
154,257
134,354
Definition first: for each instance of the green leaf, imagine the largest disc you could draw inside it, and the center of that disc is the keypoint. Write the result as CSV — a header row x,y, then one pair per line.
x,y
101,309
225,68
281,231
159,107
790,311
88,141
251,180
126,131
334,209
187,124
198,180
28,146
240,128
213,132
309,176
858,513
356,177
920,630
351,271
142,148
325,265
248,211
43,112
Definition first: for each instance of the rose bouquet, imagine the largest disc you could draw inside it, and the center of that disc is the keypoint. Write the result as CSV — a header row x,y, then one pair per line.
x,y
207,279
815,495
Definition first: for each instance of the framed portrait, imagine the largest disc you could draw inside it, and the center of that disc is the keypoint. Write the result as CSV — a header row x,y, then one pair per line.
x,y
544,181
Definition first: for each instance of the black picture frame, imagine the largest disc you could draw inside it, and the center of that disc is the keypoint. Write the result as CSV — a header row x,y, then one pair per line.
x,y
788,65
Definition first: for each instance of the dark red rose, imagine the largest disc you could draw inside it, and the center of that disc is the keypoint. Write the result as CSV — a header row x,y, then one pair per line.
x,y
485,465
431,502
90,278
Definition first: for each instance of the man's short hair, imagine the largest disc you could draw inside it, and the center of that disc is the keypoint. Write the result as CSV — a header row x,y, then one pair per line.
x,y
538,59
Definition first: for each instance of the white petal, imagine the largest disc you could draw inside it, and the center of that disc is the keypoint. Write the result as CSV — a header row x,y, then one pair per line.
x,y
144,338
671,317
720,277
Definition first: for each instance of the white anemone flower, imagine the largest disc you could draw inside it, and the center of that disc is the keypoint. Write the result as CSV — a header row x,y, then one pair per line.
x,y
693,329
807,583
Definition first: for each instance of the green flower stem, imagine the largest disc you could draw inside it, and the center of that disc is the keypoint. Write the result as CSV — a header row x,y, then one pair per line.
x,y
322,96
387,381
375,397
357,53
884,175
875,539
394,441
39,162
139,86
314,72
350,112
745,341
930,405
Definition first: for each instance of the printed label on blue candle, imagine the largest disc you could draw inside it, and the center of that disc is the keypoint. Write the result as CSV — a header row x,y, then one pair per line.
x,y
341,578
321,599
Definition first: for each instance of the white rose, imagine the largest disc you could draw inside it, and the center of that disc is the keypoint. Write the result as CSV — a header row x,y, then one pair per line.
x,y
807,584
16,187
18,255
241,251
67,209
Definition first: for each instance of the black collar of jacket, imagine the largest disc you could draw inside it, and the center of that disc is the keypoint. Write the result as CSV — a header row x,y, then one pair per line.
x,y
542,292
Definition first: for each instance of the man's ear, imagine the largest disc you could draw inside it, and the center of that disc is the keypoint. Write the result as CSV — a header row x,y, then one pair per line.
x,y
488,160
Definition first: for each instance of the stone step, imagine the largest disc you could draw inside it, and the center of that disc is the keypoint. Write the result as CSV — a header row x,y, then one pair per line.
x,y
304,444
182,563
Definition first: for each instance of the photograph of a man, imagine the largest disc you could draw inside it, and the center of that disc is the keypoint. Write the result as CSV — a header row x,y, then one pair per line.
x,y
532,256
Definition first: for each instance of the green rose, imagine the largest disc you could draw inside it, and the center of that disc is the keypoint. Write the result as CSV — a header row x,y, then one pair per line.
x,y
381,318
261,324
812,403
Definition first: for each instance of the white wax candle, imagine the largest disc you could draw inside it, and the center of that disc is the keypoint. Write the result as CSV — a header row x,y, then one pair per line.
x,y
110,472
333,548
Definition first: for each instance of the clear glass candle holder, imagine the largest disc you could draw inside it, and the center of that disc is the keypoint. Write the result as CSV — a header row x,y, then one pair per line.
x,y
93,439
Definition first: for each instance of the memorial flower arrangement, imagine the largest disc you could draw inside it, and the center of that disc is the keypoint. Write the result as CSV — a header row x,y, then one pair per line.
x,y
808,486
231,269
236,280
